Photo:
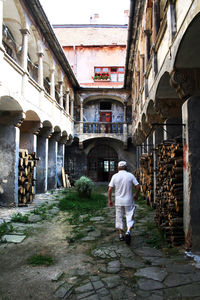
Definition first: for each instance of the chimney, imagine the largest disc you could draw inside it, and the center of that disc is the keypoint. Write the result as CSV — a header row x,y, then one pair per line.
x,y
94,19
126,16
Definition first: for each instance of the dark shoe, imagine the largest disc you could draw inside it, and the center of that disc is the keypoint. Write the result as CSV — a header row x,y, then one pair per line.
x,y
128,238
121,238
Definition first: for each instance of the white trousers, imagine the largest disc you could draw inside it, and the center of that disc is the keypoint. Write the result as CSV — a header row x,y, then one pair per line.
x,y
128,211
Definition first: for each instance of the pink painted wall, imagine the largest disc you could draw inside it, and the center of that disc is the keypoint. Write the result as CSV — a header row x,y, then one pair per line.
x,y
83,59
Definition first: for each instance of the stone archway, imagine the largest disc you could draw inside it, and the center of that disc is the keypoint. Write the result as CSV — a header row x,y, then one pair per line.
x,y
102,162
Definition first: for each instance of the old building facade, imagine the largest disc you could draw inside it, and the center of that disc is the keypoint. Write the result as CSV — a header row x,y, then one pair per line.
x,y
37,97
162,72
103,116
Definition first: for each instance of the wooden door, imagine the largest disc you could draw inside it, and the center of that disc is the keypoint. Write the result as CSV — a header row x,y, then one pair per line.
x,y
106,117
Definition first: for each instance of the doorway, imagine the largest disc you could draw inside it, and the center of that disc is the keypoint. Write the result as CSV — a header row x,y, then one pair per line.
x,y
106,117
102,163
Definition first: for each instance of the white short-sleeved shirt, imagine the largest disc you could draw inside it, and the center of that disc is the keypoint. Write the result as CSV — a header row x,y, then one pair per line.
x,y
123,182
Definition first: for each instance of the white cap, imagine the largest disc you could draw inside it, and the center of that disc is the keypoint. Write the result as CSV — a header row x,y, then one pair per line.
x,y
122,163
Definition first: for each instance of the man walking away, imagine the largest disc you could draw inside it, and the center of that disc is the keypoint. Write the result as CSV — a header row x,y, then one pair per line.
x,y
123,182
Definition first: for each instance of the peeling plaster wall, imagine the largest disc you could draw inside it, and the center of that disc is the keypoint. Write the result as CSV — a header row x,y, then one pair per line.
x,y
92,112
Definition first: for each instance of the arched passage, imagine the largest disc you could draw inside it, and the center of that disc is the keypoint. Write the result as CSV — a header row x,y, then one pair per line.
x,y
102,162
185,79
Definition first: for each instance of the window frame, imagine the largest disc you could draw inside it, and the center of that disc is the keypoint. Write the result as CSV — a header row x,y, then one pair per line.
x,y
109,73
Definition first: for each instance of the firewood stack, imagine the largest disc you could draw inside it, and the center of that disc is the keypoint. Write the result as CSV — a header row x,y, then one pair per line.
x,y
169,191
27,163
146,177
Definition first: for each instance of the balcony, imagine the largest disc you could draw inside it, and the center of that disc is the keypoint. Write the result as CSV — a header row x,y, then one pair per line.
x,y
89,130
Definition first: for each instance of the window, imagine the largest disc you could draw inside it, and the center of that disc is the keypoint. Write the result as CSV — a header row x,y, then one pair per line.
x,y
114,74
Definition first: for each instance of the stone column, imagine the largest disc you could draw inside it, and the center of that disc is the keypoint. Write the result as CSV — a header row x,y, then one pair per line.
x,y
24,55
147,146
67,102
81,117
61,93
60,162
72,108
9,159
155,20
40,69
165,131
52,160
147,46
52,82
154,166
141,69
125,112
173,127
159,135
171,19
52,164
42,164
191,134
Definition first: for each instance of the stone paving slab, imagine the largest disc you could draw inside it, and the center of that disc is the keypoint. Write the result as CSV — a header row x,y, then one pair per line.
x,y
152,273
13,238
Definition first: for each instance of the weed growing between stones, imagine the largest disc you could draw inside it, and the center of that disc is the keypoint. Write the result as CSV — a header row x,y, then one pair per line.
x,y
5,228
41,211
80,206
81,211
41,259
18,217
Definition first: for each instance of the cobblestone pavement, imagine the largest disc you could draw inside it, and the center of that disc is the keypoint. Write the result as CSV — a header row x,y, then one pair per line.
x,y
109,269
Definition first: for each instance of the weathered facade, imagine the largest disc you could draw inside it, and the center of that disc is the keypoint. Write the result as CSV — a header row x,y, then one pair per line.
x,y
103,110
162,71
37,97
96,52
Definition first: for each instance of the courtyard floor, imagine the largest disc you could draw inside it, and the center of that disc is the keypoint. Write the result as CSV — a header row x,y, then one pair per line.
x,y
94,266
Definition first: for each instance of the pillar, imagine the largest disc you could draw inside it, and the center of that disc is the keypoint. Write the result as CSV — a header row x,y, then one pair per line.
x,y
67,102
81,117
60,161
154,166
24,55
52,164
141,69
173,128
52,82
155,20
159,135
28,141
61,93
171,19
9,157
191,134
40,69
72,108
150,143
147,46
42,164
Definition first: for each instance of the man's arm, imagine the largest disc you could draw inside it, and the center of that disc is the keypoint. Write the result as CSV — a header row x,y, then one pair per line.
x,y
110,203
137,192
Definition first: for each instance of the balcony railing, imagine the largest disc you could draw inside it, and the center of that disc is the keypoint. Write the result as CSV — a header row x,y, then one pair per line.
x,y
101,127
120,128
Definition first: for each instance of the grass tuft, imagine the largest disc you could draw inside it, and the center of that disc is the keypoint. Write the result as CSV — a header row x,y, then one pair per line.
x,y
18,217
5,228
41,260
